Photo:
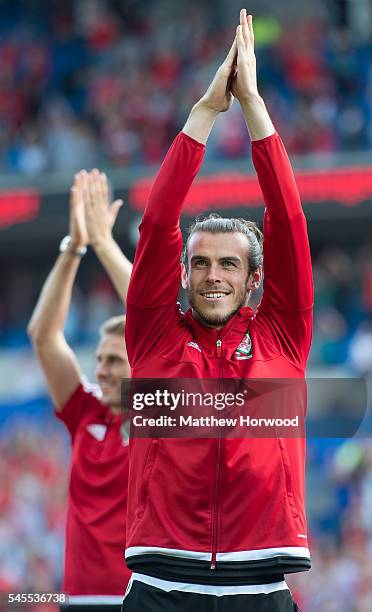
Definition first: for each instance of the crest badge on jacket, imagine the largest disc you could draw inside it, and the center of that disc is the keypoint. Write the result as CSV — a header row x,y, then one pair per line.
x,y
245,348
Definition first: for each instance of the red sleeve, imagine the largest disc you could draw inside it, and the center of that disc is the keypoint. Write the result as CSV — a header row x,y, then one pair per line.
x,y
80,407
286,306
155,279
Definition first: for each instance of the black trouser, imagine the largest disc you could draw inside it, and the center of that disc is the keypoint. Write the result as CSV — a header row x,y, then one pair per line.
x,y
146,598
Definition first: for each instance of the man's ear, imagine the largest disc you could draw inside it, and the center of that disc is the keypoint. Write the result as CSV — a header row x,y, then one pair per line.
x,y
254,279
184,277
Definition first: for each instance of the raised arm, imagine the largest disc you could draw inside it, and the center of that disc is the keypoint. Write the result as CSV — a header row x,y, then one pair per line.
x,y
155,279
91,222
45,328
100,217
288,287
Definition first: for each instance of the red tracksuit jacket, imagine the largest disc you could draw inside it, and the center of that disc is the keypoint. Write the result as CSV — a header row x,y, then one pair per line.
x,y
228,511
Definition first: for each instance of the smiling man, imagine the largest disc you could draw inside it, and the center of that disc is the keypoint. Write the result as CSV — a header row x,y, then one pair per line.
x,y
215,524
220,274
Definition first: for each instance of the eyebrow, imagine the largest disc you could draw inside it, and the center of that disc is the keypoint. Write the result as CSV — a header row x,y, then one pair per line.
x,y
230,258
110,356
225,258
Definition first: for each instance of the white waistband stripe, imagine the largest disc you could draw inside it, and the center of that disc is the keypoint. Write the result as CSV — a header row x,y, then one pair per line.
x,y
208,589
173,552
241,555
94,600
265,553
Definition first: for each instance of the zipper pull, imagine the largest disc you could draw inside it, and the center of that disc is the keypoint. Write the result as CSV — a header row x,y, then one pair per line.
x,y
219,349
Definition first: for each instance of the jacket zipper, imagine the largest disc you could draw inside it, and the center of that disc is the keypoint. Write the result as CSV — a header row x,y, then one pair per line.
x,y
216,485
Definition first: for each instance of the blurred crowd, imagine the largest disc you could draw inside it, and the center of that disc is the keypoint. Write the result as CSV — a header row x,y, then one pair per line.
x,y
94,300
111,82
339,510
343,309
33,474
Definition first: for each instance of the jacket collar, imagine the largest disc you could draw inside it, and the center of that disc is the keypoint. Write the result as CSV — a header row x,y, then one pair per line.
x,y
231,334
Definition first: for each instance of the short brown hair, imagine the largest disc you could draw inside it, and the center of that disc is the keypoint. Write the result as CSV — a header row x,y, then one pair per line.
x,y
113,326
215,224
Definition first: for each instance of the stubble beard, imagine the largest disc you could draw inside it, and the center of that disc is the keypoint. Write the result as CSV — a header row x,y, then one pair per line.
x,y
217,320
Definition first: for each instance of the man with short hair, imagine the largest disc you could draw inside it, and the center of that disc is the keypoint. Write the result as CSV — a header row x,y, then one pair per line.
x,y
95,573
214,524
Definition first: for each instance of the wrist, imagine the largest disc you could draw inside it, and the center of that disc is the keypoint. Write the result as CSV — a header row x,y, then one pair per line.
x,y
206,107
101,243
200,121
75,245
257,118
72,247
251,100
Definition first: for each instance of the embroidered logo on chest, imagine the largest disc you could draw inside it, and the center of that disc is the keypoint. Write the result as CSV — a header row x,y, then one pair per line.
x,y
98,431
194,345
245,349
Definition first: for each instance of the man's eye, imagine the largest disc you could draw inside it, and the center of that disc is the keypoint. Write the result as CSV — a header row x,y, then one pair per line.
x,y
227,264
201,263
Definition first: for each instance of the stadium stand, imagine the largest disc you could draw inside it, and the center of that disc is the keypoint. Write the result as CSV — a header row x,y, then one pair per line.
x,y
106,82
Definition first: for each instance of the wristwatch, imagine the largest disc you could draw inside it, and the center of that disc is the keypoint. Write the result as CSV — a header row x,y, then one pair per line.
x,y
65,244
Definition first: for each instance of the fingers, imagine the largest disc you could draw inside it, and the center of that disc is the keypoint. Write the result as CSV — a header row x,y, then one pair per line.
x,y
250,27
91,189
246,21
114,209
244,32
75,191
117,204
95,188
73,196
84,187
240,39
244,24
104,188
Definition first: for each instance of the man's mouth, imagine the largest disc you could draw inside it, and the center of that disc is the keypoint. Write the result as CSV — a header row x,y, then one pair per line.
x,y
215,295
105,386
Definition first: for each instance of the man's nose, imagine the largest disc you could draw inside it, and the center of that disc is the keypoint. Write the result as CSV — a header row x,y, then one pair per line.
x,y
214,274
101,369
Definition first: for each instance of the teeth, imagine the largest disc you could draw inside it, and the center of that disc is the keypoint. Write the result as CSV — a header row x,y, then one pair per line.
x,y
214,295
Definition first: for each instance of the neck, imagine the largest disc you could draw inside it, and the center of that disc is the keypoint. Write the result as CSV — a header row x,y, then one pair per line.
x,y
204,323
